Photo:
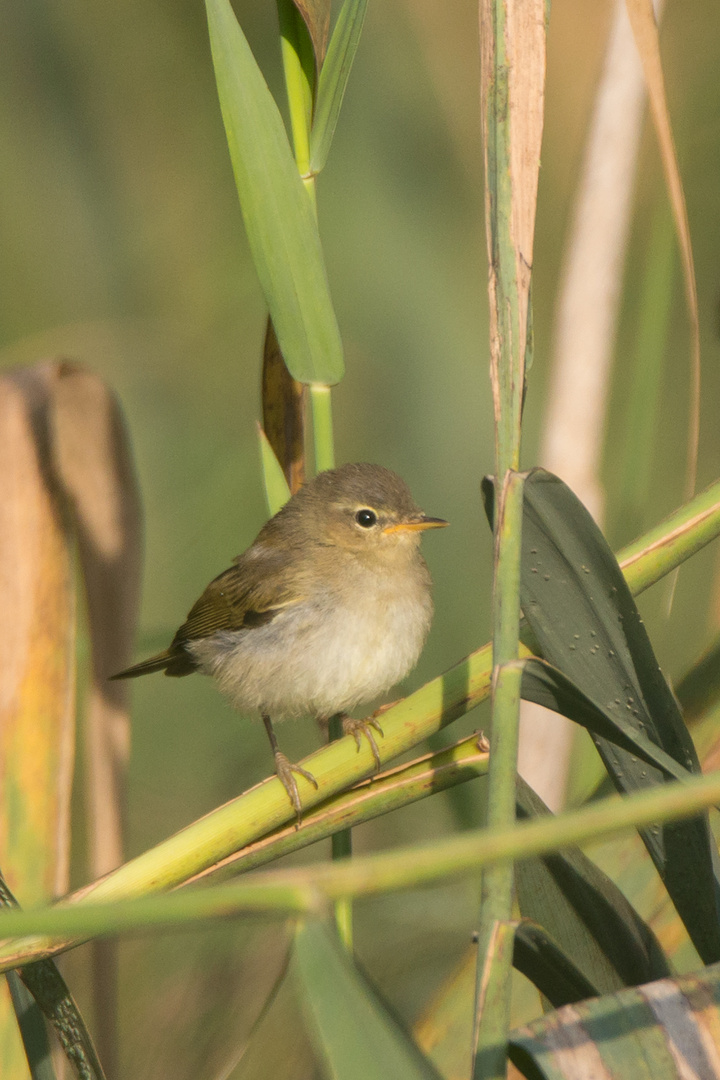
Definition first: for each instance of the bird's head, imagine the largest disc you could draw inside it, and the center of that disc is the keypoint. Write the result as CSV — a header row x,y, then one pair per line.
x,y
364,509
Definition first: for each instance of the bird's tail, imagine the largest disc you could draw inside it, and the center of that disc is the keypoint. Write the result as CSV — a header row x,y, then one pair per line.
x,y
154,663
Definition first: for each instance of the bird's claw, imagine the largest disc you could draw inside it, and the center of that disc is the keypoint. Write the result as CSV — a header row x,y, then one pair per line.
x,y
356,728
284,769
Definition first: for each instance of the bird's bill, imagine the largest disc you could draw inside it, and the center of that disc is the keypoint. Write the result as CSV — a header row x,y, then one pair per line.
x,y
416,525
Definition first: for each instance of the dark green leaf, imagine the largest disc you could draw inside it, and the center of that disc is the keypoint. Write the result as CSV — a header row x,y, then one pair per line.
x,y
49,989
279,219
333,79
357,1034
585,913
542,961
547,686
584,618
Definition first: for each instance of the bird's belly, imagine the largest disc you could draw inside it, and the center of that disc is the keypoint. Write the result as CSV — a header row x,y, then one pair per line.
x,y
318,661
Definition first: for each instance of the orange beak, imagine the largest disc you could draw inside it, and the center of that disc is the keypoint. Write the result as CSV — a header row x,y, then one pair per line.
x,y
416,525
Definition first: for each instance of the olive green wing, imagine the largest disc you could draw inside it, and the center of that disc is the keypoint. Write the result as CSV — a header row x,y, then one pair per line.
x,y
250,594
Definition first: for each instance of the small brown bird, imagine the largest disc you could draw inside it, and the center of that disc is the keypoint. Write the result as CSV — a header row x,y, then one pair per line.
x,y
328,608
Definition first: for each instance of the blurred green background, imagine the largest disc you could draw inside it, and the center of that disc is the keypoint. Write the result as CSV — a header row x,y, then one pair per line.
x,y
123,248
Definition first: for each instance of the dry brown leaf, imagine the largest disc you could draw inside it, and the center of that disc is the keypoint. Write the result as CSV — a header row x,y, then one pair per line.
x,y
66,478
94,463
37,674
283,405
316,16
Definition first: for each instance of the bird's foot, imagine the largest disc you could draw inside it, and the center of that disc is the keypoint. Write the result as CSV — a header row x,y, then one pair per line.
x,y
356,728
285,770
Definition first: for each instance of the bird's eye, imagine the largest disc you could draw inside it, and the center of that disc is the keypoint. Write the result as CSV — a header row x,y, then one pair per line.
x,y
366,518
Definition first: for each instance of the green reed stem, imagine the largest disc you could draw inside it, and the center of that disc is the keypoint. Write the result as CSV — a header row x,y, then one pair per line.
x,y
512,78
311,888
322,427
299,68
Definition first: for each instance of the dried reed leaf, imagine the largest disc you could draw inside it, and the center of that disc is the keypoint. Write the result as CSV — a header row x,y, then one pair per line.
x,y
316,16
37,675
66,477
94,464
642,20
283,407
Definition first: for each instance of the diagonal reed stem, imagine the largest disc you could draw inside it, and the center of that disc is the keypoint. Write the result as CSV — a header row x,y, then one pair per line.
x,y
255,813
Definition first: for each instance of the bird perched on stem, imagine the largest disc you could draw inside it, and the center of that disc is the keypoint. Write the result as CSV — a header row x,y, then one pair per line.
x,y
327,609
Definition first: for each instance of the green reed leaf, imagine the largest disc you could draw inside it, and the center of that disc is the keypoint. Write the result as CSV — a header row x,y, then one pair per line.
x,y
277,211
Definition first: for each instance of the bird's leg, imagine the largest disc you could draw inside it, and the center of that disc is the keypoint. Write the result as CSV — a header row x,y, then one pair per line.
x,y
285,769
356,728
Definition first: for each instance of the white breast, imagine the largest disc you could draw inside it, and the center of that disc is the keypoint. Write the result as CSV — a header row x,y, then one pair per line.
x,y
322,657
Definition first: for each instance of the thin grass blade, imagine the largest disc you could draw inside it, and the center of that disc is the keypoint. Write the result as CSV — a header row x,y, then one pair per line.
x,y
277,491
643,399
645,29
334,78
